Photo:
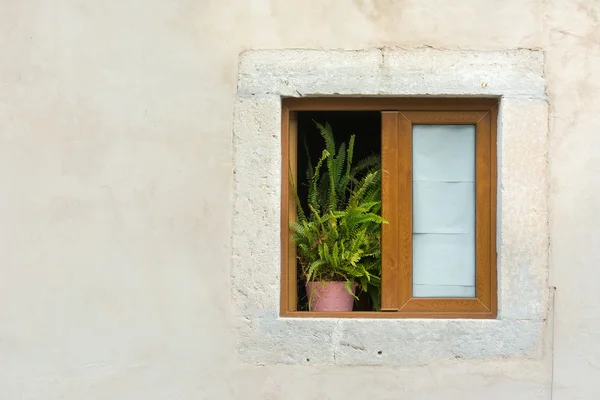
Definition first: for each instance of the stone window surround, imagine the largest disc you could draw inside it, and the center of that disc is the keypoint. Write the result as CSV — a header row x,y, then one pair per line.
x,y
516,77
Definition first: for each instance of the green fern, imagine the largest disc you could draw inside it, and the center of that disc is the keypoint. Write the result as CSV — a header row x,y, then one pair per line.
x,y
339,239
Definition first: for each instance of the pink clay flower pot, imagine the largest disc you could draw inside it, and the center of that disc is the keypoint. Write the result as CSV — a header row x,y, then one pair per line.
x,y
329,296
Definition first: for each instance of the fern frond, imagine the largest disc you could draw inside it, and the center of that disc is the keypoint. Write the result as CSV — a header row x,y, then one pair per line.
x,y
299,209
349,156
309,169
312,190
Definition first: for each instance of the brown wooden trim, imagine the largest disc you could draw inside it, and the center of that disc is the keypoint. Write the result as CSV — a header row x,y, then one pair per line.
x,y
390,185
397,299
289,141
485,268
292,211
444,304
284,212
388,103
404,208
387,314
483,184
444,117
493,210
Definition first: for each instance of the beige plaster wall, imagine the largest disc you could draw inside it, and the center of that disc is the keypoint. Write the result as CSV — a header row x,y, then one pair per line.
x,y
116,205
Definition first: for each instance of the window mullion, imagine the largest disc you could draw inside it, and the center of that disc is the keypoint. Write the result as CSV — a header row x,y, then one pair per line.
x,y
404,208
390,262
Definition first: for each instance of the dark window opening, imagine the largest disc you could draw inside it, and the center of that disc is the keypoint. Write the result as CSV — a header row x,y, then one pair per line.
x,y
366,125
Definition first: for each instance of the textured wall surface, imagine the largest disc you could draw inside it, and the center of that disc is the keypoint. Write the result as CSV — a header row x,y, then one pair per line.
x,y
116,170
516,77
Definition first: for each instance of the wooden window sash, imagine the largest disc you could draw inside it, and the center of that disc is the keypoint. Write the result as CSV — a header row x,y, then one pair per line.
x,y
397,301
396,198
289,160
398,240
388,103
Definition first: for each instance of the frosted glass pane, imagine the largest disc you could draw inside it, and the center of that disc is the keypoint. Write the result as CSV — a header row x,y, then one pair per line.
x,y
438,254
443,207
444,153
443,211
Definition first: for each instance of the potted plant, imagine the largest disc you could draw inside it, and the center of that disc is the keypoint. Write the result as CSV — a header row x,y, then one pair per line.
x,y
338,234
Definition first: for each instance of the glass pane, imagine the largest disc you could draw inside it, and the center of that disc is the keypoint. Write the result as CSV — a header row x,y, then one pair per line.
x,y
443,211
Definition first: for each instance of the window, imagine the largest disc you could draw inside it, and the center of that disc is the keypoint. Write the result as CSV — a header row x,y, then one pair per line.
x,y
438,160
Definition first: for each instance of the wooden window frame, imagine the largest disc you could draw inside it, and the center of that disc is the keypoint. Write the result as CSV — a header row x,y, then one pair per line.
x,y
398,116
